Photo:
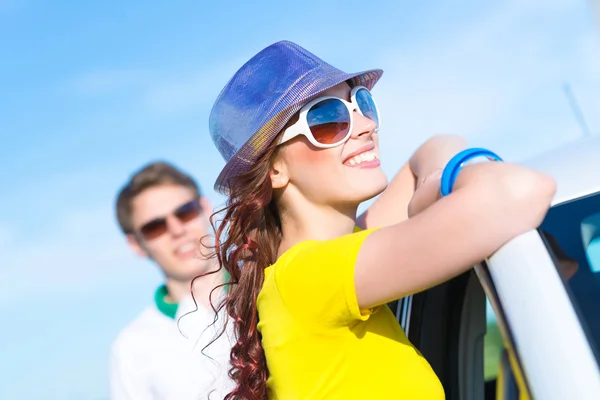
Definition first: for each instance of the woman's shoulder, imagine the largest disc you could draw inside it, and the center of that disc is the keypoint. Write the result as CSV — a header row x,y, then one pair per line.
x,y
292,253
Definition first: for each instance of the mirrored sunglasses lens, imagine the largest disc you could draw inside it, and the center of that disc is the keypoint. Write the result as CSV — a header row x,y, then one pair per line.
x,y
367,106
154,229
329,121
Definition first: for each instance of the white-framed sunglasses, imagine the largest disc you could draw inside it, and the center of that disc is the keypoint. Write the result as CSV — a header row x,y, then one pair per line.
x,y
327,121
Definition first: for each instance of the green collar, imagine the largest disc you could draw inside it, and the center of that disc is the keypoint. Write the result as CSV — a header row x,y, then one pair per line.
x,y
168,309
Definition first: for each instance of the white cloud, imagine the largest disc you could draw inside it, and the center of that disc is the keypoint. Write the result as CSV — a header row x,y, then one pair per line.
x,y
498,81
83,252
166,93
189,90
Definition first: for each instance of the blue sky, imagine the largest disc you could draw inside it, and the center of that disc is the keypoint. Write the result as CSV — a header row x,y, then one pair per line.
x,y
92,90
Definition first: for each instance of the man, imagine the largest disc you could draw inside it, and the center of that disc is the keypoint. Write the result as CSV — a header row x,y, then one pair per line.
x,y
164,216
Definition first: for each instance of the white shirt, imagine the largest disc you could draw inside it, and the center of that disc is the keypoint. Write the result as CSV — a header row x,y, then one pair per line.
x,y
151,359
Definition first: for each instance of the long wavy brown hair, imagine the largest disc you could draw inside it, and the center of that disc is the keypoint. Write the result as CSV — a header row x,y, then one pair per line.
x,y
247,238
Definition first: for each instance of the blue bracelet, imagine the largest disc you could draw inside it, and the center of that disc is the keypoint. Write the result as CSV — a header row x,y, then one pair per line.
x,y
454,166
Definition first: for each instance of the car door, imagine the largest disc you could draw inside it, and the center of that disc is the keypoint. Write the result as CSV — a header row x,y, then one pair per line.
x,y
547,348
540,347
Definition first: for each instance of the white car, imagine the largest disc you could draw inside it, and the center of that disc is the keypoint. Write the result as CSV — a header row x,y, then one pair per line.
x,y
544,290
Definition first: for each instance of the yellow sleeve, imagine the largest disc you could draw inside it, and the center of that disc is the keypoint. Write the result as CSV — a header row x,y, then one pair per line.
x,y
316,282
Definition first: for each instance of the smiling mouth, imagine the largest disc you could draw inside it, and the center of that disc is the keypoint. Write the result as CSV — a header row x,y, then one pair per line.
x,y
186,249
364,159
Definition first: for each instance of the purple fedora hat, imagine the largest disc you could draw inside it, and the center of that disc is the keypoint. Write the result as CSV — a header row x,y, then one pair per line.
x,y
261,98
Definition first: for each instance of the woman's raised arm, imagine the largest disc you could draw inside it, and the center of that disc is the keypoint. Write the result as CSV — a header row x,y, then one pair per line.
x,y
491,203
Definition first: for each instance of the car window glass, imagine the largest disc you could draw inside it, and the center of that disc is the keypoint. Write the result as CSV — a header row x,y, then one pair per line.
x,y
572,234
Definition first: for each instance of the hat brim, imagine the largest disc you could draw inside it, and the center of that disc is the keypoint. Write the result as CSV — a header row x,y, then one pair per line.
x,y
251,151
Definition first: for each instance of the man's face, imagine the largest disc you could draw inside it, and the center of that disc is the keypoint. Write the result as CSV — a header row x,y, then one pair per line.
x,y
175,247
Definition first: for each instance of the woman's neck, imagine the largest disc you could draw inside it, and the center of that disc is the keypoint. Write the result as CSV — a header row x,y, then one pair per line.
x,y
311,222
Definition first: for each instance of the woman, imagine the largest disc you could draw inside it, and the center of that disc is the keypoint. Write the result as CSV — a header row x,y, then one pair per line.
x,y
308,287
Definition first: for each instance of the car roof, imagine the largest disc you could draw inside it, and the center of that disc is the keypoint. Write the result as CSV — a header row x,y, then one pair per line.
x,y
575,166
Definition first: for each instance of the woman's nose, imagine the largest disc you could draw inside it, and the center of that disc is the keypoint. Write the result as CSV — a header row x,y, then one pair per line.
x,y
362,125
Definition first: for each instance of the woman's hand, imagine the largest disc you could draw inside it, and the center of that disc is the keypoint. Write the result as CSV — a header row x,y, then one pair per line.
x,y
391,207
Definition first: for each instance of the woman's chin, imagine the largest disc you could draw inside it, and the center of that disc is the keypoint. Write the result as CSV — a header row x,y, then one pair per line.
x,y
370,189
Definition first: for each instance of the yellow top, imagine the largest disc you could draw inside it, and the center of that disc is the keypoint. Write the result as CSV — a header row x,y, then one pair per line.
x,y
320,345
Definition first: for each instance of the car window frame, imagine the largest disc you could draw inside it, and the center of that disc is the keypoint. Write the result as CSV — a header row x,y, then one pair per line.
x,y
522,273
508,341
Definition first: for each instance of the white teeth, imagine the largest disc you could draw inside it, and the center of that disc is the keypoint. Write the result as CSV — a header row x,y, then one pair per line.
x,y
186,247
362,157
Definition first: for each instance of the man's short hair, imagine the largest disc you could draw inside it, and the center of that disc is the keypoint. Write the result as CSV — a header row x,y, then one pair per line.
x,y
152,175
